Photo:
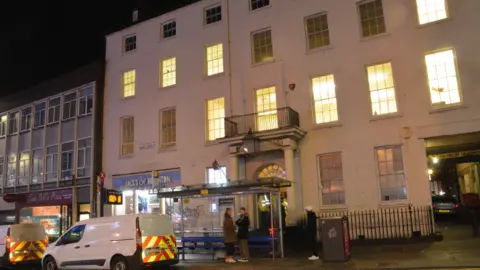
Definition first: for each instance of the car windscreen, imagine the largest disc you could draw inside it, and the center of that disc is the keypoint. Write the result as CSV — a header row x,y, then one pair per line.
x,y
155,225
442,199
27,232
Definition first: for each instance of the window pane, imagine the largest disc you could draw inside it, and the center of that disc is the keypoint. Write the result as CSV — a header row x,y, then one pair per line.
x,y
214,58
216,121
442,78
331,179
382,89
169,72
431,10
129,83
324,98
391,173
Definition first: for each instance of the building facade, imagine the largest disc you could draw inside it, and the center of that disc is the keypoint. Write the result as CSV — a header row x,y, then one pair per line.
x,y
340,96
48,135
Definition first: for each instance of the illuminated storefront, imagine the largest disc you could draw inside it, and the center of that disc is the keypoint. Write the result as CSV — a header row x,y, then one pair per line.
x,y
137,195
52,209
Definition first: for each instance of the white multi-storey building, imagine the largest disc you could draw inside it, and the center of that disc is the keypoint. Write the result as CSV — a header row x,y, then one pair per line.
x,y
343,93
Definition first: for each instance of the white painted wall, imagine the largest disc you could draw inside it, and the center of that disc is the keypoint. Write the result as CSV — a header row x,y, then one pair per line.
x,y
405,45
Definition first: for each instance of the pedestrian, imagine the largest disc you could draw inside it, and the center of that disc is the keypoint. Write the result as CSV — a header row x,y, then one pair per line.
x,y
312,232
243,224
229,235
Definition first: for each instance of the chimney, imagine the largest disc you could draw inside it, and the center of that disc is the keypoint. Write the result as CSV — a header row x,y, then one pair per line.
x,y
135,15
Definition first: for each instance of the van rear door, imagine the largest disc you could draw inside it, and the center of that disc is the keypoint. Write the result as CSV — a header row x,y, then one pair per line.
x,y
158,240
27,242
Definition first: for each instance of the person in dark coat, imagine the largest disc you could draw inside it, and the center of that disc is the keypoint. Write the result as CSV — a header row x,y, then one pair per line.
x,y
229,235
312,232
243,224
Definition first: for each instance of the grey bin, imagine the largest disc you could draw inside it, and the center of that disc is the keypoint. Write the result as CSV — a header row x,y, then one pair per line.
x,y
335,239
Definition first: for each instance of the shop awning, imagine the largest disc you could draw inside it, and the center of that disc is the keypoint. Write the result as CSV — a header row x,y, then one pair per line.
x,y
229,188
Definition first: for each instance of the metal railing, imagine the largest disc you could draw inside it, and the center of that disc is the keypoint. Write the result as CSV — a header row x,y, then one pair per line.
x,y
279,118
390,223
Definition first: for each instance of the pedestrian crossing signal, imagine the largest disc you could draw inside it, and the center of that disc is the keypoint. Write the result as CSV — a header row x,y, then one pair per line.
x,y
113,197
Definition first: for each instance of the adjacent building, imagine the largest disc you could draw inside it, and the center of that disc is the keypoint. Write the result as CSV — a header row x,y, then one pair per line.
x,y
48,137
341,96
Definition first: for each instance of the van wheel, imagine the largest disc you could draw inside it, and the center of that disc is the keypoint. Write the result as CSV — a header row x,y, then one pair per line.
x,y
49,264
119,263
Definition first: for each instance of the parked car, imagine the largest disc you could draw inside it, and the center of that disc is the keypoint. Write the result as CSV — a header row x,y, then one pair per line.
x,y
22,245
119,242
444,205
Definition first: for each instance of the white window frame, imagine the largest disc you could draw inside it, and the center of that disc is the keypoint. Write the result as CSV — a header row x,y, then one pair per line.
x,y
437,20
173,128
130,82
321,181
26,121
54,162
3,125
54,110
124,44
166,24
86,160
127,144
70,154
459,89
403,173
41,114
85,99
219,120
259,7
253,47
24,168
214,65
364,2
319,32
11,171
266,116
218,176
379,90
322,100
168,77
67,106
13,122
211,7
37,166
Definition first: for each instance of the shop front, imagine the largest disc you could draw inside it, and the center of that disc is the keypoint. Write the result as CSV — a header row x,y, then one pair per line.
x,y
52,209
137,192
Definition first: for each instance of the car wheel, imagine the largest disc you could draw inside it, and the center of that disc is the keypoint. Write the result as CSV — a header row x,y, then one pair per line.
x,y
49,264
119,263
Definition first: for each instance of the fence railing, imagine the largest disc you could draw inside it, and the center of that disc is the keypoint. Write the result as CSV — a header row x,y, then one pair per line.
x,y
390,223
278,118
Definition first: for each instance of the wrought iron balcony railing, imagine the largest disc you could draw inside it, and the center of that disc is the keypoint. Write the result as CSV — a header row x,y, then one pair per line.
x,y
280,118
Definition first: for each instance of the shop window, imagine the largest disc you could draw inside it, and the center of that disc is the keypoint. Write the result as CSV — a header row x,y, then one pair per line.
x,y
48,216
37,166
218,176
83,211
52,163
67,160
84,157
53,110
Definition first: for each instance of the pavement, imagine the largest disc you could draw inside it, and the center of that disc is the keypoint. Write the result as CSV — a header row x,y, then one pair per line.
x,y
458,250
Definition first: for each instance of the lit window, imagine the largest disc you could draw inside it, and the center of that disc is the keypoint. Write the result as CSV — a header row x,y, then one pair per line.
x,y
391,174
127,136
130,43
431,11
324,98
262,46
129,83
213,14
256,4
442,77
331,179
215,118
382,89
214,57
217,176
371,18
318,34
267,109
169,72
3,125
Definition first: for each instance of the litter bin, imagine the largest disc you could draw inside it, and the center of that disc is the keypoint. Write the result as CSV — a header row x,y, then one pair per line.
x,y
335,239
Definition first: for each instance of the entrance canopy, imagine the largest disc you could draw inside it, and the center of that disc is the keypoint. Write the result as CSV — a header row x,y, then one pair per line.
x,y
246,186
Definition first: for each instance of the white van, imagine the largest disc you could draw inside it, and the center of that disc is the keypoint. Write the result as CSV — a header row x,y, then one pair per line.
x,y
119,242
22,245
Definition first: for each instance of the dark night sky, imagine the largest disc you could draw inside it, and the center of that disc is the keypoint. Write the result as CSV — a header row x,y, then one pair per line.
x,y
43,39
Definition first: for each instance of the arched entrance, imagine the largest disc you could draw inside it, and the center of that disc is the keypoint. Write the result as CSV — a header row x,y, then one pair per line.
x,y
263,200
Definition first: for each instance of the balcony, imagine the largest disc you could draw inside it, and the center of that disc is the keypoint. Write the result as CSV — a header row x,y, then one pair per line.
x,y
278,123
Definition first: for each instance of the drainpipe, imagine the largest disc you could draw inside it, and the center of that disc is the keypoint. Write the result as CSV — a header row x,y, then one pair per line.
x,y
229,58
